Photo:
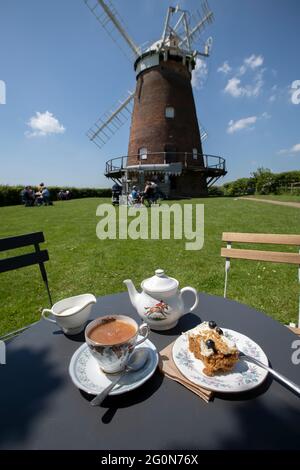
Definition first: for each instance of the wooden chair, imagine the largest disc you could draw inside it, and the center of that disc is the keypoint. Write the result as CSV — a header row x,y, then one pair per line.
x,y
257,255
37,257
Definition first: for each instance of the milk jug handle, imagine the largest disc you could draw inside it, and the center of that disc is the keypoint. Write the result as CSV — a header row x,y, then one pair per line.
x,y
44,315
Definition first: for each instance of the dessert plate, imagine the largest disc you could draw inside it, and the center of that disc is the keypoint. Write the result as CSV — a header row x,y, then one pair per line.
x,y
244,376
87,375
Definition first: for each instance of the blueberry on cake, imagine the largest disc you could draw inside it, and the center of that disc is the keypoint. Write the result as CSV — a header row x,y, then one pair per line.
x,y
209,344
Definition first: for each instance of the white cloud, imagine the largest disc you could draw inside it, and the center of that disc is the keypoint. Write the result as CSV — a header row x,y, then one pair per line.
x,y
266,115
254,61
244,123
236,89
292,150
273,95
44,124
242,70
199,74
225,68
233,87
296,148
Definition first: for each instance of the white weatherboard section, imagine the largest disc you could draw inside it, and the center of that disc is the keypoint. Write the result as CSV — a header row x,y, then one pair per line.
x,y
147,62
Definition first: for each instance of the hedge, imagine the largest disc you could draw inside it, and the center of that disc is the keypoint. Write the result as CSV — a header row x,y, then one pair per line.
x,y
11,195
263,181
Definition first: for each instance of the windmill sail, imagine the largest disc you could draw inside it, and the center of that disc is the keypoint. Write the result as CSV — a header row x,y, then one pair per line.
x,y
203,132
111,21
110,122
202,20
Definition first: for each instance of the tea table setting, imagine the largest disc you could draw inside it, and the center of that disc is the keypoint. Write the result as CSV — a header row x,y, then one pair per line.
x,y
160,367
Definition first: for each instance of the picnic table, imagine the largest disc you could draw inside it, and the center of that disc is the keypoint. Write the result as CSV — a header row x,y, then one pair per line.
x,y
42,409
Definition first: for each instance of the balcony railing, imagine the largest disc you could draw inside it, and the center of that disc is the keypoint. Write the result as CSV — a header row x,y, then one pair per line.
x,y
188,160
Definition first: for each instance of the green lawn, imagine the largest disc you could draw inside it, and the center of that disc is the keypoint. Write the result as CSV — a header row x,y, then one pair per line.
x,y
79,262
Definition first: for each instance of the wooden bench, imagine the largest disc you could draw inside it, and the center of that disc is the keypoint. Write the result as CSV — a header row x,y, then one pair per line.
x,y
259,255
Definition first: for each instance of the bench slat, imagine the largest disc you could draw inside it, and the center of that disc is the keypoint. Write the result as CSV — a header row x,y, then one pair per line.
x,y
21,240
276,239
273,256
8,264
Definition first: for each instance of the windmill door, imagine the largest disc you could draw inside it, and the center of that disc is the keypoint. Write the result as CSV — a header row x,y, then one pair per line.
x,y
170,154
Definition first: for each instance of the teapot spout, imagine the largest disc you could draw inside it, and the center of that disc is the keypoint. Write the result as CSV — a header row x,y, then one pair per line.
x,y
133,293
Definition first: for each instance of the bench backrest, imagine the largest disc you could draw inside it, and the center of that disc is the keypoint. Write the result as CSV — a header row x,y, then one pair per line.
x,y
259,255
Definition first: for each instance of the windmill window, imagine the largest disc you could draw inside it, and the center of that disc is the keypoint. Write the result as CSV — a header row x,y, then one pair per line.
x,y
195,154
170,112
143,153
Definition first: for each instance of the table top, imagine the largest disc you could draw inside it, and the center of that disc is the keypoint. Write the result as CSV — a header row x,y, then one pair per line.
x,y
42,409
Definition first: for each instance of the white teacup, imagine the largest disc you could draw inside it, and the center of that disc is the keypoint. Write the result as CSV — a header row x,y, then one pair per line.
x,y
71,314
112,358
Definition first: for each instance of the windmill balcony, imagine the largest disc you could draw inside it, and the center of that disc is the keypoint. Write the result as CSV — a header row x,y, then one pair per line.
x,y
211,166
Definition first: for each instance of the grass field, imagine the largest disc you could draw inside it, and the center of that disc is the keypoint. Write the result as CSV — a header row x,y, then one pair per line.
x,y
80,262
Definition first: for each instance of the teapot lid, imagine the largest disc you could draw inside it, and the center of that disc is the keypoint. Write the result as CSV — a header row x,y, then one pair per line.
x,y
160,282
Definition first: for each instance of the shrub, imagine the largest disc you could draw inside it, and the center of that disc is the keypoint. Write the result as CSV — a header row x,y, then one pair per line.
x,y
240,187
216,191
263,181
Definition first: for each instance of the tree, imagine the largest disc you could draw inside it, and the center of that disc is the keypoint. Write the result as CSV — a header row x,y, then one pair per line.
x,y
265,181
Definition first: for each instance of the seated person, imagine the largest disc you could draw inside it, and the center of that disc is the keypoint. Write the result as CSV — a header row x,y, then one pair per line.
x,y
135,197
38,198
46,196
26,196
61,195
148,192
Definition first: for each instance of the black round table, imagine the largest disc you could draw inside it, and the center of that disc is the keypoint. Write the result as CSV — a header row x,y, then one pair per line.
x,y
42,409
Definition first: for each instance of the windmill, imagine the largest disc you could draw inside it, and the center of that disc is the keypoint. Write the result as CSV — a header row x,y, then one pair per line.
x,y
165,142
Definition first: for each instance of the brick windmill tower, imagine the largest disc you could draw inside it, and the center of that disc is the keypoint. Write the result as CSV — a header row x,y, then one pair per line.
x,y
165,142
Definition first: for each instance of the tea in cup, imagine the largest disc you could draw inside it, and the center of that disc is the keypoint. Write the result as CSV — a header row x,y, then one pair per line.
x,y
112,339
71,314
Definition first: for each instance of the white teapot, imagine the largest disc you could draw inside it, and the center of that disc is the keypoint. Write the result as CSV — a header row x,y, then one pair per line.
x,y
161,303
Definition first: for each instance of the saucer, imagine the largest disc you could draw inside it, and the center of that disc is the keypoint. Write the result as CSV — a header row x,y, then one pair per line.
x,y
87,375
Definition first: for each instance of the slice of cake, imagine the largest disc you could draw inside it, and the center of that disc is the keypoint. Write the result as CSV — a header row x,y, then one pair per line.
x,y
208,343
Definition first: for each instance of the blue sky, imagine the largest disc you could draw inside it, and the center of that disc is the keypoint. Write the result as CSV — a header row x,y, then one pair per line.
x,y
55,58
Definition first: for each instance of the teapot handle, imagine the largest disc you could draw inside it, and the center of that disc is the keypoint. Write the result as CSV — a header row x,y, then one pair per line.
x,y
191,289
